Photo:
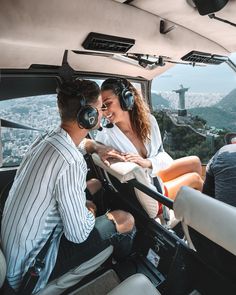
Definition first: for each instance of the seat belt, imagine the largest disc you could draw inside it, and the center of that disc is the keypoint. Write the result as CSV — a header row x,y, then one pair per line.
x,y
32,275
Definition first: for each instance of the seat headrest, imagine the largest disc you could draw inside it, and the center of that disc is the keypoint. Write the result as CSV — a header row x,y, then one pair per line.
x,y
125,171
210,217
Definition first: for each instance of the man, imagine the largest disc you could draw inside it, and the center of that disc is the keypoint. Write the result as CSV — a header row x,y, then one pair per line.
x,y
220,182
48,194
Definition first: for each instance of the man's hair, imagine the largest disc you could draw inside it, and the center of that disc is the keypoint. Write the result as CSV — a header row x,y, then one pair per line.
x,y
70,95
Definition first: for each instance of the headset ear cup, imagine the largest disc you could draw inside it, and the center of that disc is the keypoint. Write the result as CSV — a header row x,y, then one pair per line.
x,y
126,100
87,117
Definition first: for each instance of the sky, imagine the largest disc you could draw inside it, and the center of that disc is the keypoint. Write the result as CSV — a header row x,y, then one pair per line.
x,y
220,78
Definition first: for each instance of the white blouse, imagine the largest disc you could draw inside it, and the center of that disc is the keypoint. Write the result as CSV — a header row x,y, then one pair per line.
x,y
155,153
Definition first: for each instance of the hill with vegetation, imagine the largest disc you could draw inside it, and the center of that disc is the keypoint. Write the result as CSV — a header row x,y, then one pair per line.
x,y
216,117
181,141
221,115
159,102
228,103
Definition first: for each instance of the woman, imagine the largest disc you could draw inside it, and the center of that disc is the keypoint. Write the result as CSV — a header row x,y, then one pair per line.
x,y
135,132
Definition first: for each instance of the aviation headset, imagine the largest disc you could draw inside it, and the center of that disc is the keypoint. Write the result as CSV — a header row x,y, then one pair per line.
x,y
121,88
126,97
87,116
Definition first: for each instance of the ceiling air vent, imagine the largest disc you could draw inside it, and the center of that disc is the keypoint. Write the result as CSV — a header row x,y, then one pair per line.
x,y
205,58
107,43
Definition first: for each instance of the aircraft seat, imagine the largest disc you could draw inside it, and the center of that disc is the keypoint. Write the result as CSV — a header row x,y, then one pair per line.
x,y
125,171
208,216
75,275
72,277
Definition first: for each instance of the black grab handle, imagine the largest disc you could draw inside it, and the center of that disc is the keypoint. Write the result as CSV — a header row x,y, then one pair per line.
x,y
153,194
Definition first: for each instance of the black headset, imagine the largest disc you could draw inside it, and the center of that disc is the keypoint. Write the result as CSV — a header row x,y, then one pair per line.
x,y
126,97
87,116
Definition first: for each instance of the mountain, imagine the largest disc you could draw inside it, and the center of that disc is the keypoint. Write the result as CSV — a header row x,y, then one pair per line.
x,y
228,103
158,101
216,117
222,114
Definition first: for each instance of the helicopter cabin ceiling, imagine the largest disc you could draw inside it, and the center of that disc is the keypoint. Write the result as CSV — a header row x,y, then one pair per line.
x,y
38,32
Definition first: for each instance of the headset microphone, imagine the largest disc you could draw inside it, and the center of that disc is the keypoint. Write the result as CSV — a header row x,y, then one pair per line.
x,y
109,125
105,124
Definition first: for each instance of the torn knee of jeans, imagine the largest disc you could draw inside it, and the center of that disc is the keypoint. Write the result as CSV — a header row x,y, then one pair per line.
x,y
120,236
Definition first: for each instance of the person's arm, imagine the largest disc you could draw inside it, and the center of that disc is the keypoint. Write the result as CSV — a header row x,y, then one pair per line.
x,y
137,159
209,182
105,152
209,185
77,220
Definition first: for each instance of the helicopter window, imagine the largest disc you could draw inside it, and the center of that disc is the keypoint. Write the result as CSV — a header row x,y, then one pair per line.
x,y
22,120
195,107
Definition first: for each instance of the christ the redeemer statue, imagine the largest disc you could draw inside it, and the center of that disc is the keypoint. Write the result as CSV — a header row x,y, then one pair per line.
x,y
181,109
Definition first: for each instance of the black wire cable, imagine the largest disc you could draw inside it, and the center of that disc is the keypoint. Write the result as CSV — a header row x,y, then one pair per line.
x,y
212,15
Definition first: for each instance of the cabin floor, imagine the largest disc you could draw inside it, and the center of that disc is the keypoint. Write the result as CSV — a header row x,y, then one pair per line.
x,y
100,285
112,273
106,280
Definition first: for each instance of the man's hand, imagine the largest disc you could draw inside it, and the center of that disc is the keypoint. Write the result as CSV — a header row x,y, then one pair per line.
x,y
106,153
91,207
136,158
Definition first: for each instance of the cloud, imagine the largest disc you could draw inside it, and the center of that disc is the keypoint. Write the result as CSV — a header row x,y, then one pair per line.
x,y
166,76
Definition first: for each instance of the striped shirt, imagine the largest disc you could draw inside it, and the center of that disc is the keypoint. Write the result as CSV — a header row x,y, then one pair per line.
x,y
48,190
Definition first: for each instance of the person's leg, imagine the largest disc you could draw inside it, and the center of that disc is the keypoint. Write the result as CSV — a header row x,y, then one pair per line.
x,y
123,221
116,229
180,167
93,185
193,180
93,191
122,240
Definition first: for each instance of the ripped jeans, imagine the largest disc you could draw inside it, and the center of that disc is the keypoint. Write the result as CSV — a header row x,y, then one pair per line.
x,y
102,236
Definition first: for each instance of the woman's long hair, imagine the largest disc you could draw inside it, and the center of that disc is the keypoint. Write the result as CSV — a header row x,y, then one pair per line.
x,y
140,113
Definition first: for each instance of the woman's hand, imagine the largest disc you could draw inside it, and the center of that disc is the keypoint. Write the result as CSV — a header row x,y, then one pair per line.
x,y
136,158
108,154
